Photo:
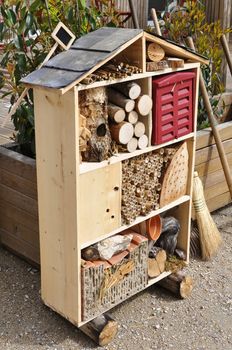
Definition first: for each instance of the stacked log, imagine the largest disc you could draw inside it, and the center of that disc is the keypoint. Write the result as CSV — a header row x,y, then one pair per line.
x,y
155,52
102,329
155,58
175,63
156,261
178,283
154,66
126,105
94,139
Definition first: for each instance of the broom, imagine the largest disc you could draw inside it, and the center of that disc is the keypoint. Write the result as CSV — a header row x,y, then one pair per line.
x,y
210,238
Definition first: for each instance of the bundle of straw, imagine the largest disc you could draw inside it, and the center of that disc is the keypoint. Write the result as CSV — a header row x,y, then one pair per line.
x,y
210,238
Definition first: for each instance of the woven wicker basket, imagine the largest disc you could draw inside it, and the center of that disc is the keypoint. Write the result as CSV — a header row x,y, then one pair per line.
x,y
96,299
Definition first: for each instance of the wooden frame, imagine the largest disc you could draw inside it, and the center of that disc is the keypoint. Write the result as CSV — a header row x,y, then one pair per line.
x,y
57,174
70,39
68,191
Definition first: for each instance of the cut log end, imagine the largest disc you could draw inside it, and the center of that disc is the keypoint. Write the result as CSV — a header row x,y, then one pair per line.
x,y
129,105
115,97
132,117
174,62
179,284
156,261
155,52
132,145
143,142
116,113
102,329
139,129
122,133
186,287
131,89
143,105
108,333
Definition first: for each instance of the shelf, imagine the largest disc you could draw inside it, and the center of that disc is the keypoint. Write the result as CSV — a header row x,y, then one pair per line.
x,y
152,281
138,220
135,76
85,167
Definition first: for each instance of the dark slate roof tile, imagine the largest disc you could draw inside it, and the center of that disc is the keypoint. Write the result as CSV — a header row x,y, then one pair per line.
x,y
107,39
52,78
76,61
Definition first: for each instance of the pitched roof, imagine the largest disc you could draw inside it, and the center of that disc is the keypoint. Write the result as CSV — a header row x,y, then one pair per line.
x,y
85,54
91,51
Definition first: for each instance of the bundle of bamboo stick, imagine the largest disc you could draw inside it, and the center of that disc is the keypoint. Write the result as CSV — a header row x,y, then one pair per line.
x,y
141,185
142,182
112,70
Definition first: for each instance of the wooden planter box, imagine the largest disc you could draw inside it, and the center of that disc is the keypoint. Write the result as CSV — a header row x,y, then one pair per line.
x,y
209,167
19,228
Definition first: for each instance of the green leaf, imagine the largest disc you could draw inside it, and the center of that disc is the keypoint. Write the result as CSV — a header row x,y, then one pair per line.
x,y
22,26
35,5
22,63
30,93
30,119
19,42
4,14
70,15
29,20
23,12
1,27
12,16
5,59
17,6
81,4
29,42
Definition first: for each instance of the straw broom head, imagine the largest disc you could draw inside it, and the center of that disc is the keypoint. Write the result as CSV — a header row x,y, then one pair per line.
x,y
210,238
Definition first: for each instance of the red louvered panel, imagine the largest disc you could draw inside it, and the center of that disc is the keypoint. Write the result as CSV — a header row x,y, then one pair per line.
x,y
173,106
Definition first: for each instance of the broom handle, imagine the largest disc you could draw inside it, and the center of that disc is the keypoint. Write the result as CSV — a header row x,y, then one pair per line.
x,y
134,14
155,21
213,124
226,50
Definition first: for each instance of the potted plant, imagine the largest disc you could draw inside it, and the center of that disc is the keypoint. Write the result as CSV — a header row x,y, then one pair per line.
x,y
29,25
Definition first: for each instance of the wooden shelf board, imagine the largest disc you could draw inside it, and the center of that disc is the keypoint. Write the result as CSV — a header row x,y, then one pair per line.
x,y
152,281
135,76
138,220
85,167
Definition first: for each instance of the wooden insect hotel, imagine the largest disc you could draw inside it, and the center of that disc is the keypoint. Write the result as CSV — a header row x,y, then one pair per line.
x,y
115,138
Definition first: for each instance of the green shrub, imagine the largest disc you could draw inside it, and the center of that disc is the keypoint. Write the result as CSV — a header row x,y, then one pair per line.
x,y
26,31
189,20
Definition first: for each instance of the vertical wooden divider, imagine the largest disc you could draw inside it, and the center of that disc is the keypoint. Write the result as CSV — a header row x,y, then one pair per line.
x,y
57,158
